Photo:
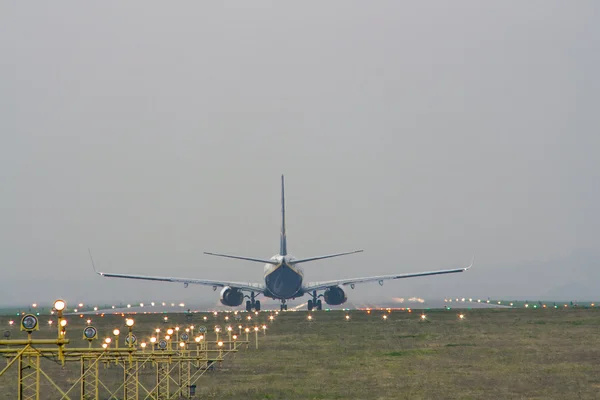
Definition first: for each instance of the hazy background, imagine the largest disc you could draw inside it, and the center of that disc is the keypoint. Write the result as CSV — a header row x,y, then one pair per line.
x,y
422,133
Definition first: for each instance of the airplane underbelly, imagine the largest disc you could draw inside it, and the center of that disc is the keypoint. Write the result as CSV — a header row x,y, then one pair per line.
x,y
283,282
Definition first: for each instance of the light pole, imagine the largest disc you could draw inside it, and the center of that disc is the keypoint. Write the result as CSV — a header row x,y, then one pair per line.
x,y
220,346
168,337
229,328
59,306
116,332
130,322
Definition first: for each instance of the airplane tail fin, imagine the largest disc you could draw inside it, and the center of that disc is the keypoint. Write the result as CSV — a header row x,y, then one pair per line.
x,y
283,239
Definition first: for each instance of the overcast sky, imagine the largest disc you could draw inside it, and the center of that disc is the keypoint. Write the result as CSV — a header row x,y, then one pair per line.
x,y
422,133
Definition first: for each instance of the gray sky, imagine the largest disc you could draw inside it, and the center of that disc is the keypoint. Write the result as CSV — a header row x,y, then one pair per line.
x,y
421,132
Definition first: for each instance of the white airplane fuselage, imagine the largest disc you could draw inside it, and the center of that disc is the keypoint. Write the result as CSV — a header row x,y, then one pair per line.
x,y
284,280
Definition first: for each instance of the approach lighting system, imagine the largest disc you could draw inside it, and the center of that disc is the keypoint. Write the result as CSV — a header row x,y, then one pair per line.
x,y
90,333
63,323
29,323
162,344
169,331
60,305
116,332
129,322
152,340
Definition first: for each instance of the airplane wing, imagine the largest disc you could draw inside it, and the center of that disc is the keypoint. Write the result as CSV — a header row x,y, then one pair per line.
x,y
249,286
325,284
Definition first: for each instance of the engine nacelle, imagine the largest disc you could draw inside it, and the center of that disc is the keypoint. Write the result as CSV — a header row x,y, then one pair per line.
x,y
231,297
334,296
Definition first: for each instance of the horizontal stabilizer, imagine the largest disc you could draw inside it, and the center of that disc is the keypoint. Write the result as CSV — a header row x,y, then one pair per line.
x,y
303,260
243,258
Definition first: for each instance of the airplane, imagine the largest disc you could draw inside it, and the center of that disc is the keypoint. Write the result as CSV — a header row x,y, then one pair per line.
x,y
283,278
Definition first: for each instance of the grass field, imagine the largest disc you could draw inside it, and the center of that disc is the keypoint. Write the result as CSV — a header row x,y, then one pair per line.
x,y
490,354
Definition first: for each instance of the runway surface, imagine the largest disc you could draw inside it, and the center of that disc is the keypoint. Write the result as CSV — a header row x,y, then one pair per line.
x,y
414,304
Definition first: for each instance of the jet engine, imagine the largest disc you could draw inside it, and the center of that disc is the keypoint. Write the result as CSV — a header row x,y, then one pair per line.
x,y
335,295
231,297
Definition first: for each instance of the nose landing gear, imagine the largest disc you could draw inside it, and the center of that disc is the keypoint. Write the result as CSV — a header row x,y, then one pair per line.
x,y
283,306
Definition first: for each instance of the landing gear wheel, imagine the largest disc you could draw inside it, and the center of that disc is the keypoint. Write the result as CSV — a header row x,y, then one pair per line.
x,y
310,305
248,305
319,305
285,307
257,305
281,307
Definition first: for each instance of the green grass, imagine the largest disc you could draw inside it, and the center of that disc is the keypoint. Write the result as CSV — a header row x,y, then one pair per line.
x,y
491,354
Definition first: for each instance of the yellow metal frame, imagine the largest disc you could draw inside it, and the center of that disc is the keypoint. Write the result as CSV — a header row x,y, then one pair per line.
x,y
172,367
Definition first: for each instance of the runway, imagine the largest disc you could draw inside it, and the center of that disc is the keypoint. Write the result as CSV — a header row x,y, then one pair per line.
x,y
395,304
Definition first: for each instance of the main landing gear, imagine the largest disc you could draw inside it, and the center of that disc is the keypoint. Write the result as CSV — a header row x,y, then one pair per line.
x,y
252,304
315,302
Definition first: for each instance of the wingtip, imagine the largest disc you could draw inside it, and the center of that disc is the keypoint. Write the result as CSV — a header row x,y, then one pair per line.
x,y
472,262
93,266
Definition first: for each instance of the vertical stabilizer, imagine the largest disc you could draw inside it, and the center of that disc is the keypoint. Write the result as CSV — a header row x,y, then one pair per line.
x,y
283,240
